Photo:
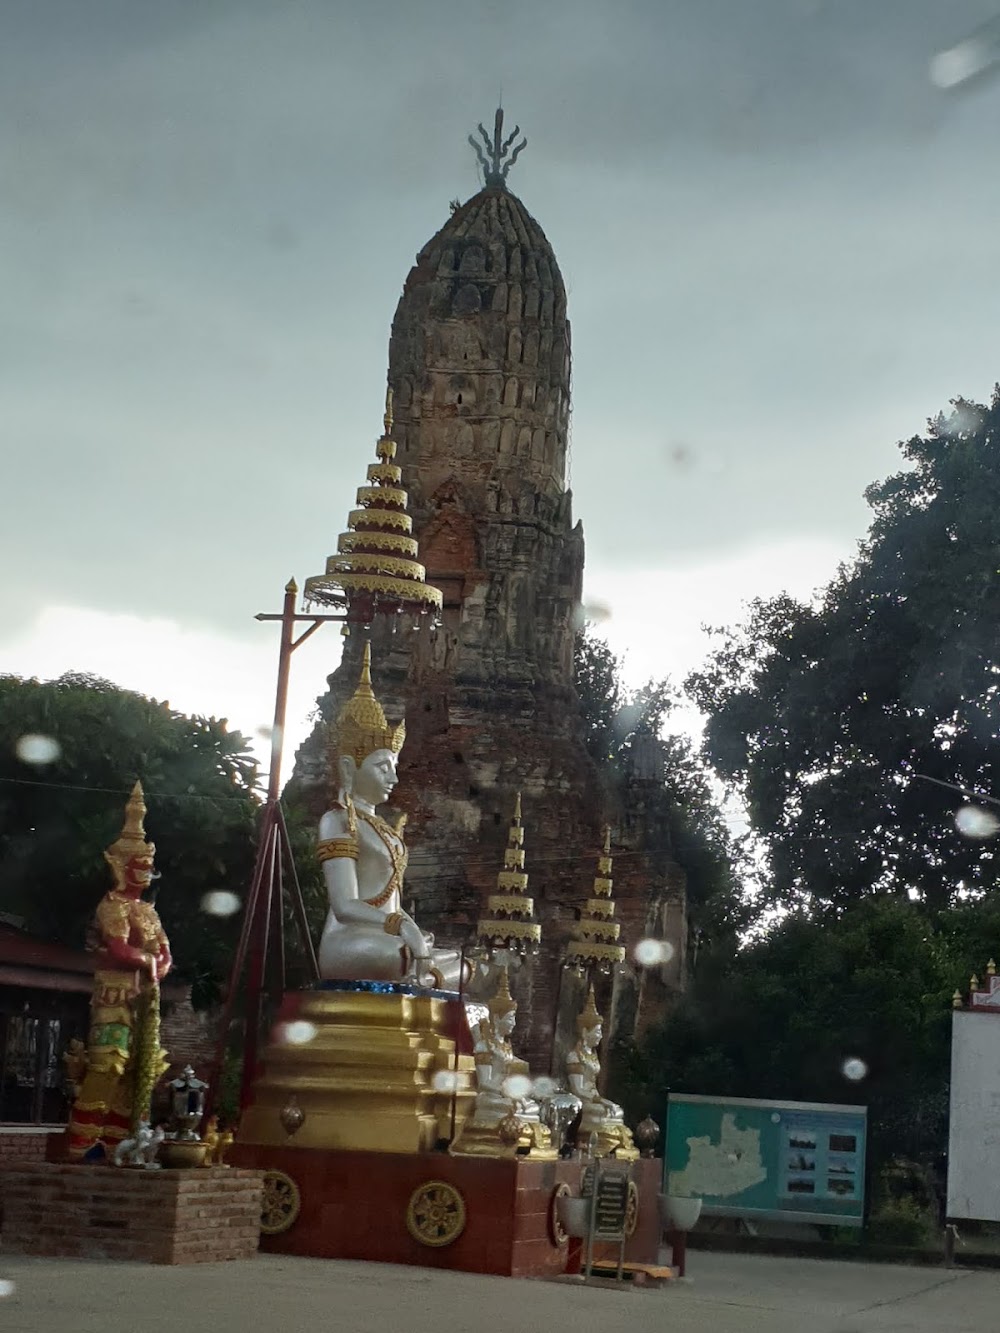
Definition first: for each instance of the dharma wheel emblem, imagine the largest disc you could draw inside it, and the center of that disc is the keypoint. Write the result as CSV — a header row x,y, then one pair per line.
x,y
436,1213
280,1203
632,1209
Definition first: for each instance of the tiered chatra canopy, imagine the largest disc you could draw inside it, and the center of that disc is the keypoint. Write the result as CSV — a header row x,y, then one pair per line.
x,y
376,566
593,941
509,924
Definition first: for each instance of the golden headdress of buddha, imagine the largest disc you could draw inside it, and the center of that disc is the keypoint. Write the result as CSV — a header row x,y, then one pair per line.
x,y
588,1018
361,727
502,1002
131,842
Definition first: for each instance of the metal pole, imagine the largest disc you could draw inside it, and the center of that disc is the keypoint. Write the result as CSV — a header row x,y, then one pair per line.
x,y
298,905
592,1218
258,956
281,692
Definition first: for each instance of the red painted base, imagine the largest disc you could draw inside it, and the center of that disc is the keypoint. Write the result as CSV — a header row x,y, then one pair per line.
x,y
354,1206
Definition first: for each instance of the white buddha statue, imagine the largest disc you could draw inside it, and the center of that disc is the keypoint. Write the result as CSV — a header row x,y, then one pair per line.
x,y
367,935
504,1120
583,1067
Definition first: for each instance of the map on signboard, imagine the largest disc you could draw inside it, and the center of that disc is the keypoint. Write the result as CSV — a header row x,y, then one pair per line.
x,y
726,1166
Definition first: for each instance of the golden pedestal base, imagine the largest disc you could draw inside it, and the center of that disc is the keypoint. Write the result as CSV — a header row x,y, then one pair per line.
x,y
611,1138
371,1072
533,1141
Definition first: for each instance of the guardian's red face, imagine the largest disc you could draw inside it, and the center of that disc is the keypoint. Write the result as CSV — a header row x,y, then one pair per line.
x,y
138,874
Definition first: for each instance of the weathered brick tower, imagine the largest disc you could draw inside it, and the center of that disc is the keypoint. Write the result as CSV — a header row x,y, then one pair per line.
x,y
479,365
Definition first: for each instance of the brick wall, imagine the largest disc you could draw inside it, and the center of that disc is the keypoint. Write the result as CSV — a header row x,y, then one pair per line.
x,y
23,1144
189,1037
160,1217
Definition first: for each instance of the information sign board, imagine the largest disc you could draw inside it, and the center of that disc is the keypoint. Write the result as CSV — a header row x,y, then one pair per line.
x,y
802,1161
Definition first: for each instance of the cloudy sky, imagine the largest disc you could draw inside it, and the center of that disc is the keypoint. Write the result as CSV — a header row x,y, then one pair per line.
x,y
778,236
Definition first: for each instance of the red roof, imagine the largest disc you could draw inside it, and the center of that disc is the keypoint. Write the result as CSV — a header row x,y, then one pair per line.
x,y
23,950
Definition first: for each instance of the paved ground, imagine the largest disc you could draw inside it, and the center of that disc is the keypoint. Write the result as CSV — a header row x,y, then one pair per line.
x,y
725,1294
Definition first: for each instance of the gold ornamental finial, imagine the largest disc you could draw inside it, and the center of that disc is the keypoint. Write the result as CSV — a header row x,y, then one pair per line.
x,y
502,1001
973,982
509,921
956,1000
593,941
291,586
375,568
131,842
361,726
589,1018
991,968
364,690
387,419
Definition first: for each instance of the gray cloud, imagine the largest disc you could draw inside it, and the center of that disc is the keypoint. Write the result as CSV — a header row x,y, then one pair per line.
x,y
776,235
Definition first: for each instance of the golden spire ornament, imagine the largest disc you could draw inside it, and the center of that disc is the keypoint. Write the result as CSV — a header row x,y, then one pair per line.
x,y
361,726
593,940
509,924
376,566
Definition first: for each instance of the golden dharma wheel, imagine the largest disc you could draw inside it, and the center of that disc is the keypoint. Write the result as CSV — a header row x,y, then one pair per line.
x,y
280,1203
435,1214
558,1234
632,1209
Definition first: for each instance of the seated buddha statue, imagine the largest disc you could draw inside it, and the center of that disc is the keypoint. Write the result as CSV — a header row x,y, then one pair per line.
x,y
367,935
505,1119
599,1115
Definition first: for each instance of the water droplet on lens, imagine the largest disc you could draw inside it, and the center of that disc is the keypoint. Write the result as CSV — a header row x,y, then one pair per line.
x,y
6,1287
220,903
854,1069
653,953
35,749
517,1087
445,1080
972,821
297,1033
544,1086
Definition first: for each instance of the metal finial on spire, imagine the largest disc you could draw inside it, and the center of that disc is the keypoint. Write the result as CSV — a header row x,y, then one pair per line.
x,y
498,159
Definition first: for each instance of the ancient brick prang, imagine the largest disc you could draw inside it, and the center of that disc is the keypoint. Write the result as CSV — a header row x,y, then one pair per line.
x,y
479,362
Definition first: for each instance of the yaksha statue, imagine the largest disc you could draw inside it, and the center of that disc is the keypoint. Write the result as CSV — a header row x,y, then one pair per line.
x,y
505,1119
599,1115
368,936
123,1057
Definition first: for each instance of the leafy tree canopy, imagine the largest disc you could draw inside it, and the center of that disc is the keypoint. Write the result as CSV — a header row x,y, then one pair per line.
x,y
785,1016
57,817
640,761
828,718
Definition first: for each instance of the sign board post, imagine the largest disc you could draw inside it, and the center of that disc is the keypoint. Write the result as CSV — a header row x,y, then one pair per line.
x,y
608,1194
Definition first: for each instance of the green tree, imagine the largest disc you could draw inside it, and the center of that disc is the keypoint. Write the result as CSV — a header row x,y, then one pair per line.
x,y
783,1018
640,761
57,817
828,718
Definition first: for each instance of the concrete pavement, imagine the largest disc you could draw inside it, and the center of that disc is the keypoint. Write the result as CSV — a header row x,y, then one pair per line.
x,y
726,1293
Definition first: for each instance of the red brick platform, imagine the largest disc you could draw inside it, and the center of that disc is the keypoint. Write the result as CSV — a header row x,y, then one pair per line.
x,y
159,1217
354,1205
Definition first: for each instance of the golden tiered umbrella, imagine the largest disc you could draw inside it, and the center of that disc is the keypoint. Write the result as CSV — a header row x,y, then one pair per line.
x,y
376,567
593,940
509,924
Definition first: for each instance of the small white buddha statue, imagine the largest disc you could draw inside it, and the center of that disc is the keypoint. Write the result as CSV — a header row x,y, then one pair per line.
x,y
367,935
505,1120
583,1067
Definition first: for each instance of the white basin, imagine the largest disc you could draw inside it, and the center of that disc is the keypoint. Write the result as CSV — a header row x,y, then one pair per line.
x,y
573,1214
677,1213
